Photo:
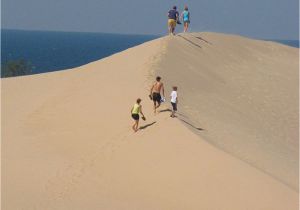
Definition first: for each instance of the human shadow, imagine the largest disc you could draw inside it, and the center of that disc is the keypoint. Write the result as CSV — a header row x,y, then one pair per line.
x,y
169,110
165,110
199,37
193,43
190,124
146,126
186,122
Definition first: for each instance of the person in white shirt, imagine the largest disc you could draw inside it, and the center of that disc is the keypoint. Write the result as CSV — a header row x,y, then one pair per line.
x,y
174,101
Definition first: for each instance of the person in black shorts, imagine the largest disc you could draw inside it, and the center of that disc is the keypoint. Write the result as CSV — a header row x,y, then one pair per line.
x,y
174,101
157,87
136,109
156,97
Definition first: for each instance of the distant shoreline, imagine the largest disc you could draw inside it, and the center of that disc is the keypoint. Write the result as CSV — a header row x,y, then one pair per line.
x,y
50,51
77,32
289,42
54,51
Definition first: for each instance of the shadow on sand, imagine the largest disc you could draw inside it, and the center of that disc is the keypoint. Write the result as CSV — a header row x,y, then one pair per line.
x,y
199,37
182,120
193,43
165,110
199,129
146,126
169,110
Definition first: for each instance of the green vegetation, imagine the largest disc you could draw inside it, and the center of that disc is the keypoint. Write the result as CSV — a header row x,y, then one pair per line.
x,y
16,68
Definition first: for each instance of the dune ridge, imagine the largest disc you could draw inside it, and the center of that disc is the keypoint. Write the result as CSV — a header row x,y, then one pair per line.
x,y
67,143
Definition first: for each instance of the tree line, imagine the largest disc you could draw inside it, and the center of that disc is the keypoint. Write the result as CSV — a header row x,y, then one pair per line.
x,y
14,68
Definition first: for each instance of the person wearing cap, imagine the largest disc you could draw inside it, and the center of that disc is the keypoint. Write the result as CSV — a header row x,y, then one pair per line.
x,y
173,17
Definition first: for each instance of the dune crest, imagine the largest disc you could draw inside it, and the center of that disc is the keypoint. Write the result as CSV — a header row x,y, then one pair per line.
x,y
67,142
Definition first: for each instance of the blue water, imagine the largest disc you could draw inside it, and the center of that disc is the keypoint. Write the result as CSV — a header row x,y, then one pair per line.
x,y
292,43
51,51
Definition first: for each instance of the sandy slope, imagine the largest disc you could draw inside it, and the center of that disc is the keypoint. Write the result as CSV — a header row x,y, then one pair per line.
x,y
67,144
244,93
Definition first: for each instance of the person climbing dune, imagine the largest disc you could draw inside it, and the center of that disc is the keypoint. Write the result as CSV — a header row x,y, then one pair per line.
x,y
135,111
174,101
155,91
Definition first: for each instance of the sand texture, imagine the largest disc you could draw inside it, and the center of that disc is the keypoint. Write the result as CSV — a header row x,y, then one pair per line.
x,y
244,94
67,142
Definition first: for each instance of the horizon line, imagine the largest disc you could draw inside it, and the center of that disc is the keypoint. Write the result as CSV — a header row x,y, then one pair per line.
x,y
62,31
136,34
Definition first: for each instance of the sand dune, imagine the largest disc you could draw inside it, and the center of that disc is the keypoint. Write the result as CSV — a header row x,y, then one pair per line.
x,y
67,141
244,93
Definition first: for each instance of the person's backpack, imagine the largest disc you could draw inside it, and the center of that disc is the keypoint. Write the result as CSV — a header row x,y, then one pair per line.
x,y
172,13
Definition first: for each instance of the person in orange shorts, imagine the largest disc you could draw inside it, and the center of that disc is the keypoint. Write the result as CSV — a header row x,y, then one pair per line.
x,y
173,16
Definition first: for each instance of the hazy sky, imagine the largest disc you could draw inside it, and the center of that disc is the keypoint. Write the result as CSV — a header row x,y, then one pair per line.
x,y
277,19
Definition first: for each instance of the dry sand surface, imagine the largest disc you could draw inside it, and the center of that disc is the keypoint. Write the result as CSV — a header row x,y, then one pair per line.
x,y
245,95
67,141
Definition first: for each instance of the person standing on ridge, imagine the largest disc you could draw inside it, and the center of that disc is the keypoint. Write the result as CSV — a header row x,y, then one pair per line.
x,y
185,17
173,16
156,88
136,109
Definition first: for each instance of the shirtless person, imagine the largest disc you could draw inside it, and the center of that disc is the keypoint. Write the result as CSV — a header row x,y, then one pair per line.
x,y
155,93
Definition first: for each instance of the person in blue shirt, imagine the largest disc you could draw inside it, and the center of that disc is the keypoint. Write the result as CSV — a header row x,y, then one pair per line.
x,y
185,16
173,16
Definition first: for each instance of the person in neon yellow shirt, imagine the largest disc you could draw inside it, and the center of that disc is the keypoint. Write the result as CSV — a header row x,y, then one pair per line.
x,y
136,109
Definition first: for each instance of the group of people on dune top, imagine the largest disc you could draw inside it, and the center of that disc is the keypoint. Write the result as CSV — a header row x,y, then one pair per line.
x,y
155,95
174,19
